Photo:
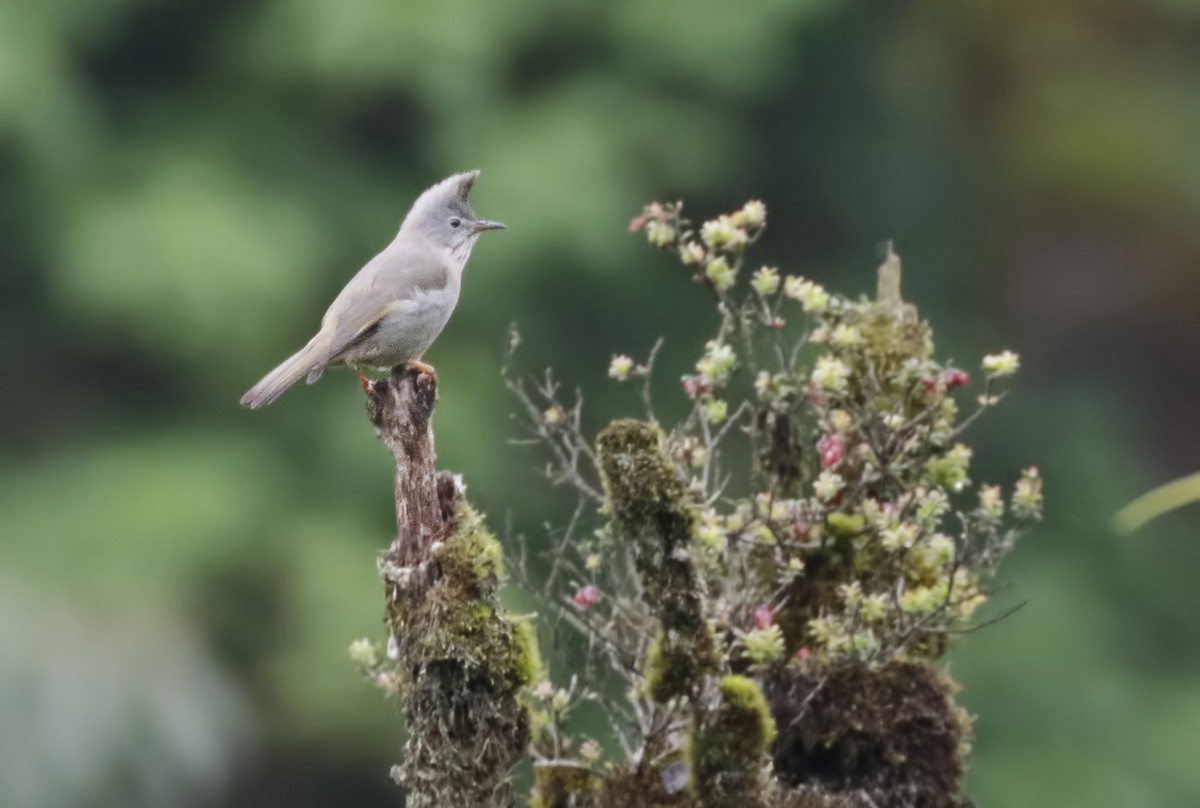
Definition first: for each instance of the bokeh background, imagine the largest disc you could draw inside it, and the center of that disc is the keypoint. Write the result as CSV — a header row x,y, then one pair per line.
x,y
186,185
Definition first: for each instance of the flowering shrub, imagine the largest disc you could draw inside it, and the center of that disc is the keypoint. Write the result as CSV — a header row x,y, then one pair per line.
x,y
787,561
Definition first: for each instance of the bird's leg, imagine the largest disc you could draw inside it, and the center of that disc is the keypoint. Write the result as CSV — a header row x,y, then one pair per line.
x,y
364,383
421,367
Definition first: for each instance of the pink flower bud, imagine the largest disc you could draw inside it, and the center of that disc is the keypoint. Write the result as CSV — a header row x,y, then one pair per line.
x,y
694,387
763,617
954,377
832,450
586,596
802,653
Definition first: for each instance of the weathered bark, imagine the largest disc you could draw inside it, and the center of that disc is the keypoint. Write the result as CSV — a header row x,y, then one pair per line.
x,y
401,408
460,661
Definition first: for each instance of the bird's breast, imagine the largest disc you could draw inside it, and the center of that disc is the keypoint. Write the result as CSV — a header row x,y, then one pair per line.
x,y
408,330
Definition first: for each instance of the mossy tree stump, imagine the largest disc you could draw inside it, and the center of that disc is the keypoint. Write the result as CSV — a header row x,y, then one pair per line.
x,y
460,661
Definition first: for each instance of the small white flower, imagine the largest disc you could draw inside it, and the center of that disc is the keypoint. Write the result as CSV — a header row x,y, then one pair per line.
x,y
830,374
918,600
763,646
560,701
1027,495
659,233
363,653
593,561
898,537
846,336
752,214
692,253
720,273
711,536
1005,363
873,513
766,281
620,367
762,384
782,510
931,506
716,410
828,484
723,233
991,501
825,631
840,420
874,608
941,549
589,751
718,362
812,296
851,594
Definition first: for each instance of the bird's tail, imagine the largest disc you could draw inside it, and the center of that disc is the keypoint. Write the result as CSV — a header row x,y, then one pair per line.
x,y
308,359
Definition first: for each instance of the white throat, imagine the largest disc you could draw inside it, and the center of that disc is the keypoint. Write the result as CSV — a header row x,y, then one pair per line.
x,y
459,253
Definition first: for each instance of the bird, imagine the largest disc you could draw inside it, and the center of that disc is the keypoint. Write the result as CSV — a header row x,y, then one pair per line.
x,y
394,308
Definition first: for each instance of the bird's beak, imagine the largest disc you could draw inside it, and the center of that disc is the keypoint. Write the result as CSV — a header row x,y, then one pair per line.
x,y
484,224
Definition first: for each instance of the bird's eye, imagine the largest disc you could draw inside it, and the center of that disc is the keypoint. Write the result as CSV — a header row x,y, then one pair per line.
x,y
455,221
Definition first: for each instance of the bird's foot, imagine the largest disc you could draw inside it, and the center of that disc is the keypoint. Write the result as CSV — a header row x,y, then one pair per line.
x,y
421,367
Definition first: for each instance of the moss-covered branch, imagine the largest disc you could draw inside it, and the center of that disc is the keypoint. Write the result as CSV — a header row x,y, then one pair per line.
x,y
647,498
729,746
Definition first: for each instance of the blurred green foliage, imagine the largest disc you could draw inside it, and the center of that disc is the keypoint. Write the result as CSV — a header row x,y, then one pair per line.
x,y
187,184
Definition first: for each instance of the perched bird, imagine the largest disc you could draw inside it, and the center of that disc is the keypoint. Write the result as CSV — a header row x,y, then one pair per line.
x,y
395,307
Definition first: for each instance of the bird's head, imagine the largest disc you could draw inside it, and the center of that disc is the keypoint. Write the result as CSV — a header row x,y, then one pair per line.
x,y
443,216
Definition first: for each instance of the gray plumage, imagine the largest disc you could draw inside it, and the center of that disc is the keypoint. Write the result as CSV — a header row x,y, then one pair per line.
x,y
395,307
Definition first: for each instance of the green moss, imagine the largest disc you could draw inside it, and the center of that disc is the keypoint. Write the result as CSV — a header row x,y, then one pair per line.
x,y
458,617
893,335
474,633
471,557
743,697
674,667
728,748
464,662
648,502
527,656
564,783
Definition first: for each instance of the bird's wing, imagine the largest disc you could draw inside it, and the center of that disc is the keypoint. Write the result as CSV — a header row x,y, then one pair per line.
x,y
378,290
